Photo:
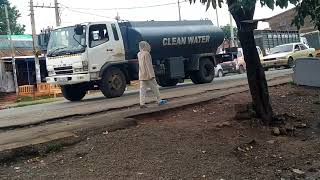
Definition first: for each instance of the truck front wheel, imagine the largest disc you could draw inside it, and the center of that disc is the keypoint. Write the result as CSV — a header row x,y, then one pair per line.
x,y
205,73
166,82
113,83
73,92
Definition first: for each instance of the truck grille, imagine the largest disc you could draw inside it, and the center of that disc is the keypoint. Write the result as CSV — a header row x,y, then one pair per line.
x,y
64,70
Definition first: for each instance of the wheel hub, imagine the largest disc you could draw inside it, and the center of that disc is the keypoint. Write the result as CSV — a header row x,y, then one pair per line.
x,y
208,70
115,81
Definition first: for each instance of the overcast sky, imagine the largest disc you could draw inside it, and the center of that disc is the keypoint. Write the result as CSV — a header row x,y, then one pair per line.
x,y
76,11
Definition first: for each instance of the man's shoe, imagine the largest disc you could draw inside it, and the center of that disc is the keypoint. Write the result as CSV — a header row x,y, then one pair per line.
x,y
162,102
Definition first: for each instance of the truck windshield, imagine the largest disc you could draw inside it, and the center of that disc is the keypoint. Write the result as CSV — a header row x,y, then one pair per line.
x,y
282,49
65,41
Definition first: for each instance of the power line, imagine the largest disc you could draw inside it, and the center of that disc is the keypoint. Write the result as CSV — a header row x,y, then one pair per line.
x,y
81,12
128,8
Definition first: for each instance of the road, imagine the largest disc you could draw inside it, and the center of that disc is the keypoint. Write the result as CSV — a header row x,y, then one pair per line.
x,y
36,114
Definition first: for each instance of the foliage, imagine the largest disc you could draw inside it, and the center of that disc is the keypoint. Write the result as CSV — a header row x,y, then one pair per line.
x,y
244,9
227,32
309,8
14,14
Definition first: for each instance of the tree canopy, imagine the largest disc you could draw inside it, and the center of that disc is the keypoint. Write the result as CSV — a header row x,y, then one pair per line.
x,y
244,9
227,31
14,14
306,8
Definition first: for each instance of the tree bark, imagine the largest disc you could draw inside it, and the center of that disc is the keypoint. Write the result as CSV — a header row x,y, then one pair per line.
x,y
256,77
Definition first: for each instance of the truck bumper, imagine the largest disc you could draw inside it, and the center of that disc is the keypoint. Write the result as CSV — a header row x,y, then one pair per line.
x,y
68,79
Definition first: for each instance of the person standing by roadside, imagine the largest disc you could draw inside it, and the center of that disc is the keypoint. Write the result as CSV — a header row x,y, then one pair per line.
x,y
147,75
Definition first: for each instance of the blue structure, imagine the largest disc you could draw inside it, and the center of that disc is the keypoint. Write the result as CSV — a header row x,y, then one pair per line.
x,y
26,68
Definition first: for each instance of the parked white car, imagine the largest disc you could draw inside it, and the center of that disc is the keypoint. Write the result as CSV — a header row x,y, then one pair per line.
x,y
219,71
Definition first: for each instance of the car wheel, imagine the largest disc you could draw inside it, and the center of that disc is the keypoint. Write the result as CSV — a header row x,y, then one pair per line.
x,y
220,73
310,55
241,69
290,62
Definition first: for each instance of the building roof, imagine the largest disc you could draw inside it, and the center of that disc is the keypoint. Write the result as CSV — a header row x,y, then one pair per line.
x,y
19,41
25,37
280,14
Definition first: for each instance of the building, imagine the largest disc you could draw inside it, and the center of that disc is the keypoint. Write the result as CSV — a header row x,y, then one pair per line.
x,y
25,66
283,21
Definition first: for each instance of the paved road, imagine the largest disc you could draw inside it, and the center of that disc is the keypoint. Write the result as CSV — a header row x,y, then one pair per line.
x,y
97,103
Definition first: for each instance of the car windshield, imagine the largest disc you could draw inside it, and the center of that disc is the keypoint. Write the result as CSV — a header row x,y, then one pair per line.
x,y
65,41
281,49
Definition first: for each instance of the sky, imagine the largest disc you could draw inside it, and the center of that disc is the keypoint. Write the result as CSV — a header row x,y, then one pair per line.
x,y
77,11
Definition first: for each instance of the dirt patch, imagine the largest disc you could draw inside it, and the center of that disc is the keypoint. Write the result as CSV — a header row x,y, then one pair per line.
x,y
203,141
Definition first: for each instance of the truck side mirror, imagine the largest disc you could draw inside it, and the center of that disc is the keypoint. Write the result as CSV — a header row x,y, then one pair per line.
x,y
78,30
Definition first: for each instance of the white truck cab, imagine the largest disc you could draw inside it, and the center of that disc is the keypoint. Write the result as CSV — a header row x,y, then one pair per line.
x,y
69,53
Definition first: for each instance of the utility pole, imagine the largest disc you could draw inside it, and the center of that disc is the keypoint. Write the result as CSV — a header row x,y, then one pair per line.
x,y
56,8
12,52
231,31
179,9
36,58
217,17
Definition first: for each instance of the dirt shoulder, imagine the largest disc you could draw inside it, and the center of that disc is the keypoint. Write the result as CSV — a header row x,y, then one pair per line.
x,y
201,141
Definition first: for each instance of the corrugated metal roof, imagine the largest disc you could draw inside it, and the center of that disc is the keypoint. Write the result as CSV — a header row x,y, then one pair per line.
x,y
25,37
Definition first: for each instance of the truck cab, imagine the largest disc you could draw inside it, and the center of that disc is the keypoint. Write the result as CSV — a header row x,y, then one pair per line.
x,y
76,56
69,52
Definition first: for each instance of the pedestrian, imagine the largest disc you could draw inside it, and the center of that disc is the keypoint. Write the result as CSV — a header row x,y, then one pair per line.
x,y
147,75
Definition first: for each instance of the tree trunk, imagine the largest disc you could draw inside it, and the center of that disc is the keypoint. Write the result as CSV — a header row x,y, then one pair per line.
x,y
256,77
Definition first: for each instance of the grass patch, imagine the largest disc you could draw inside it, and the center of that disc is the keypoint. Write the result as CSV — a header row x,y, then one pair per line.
x,y
2,94
292,83
28,98
28,101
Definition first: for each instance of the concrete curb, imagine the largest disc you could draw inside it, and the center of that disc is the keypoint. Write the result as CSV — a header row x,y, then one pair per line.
x,y
41,144
103,110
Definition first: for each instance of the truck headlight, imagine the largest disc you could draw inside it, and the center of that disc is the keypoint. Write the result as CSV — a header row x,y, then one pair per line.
x,y
85,65
51,73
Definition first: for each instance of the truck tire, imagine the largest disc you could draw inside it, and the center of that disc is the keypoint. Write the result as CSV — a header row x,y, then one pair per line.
x,y
113,83
205,74
73,92
166,82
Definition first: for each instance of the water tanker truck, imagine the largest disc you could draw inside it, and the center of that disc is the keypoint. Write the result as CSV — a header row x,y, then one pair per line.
x,y
103,55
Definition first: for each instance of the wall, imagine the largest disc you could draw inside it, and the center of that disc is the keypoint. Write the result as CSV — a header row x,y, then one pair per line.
x,y
283,22
6,80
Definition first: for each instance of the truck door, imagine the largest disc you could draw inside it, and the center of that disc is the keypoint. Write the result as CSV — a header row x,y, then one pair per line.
x,y
105,45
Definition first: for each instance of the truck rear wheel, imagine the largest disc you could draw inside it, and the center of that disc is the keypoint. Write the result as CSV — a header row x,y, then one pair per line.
x,y
73,92
166,82
205,73
113,83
